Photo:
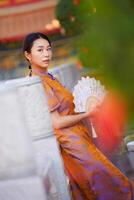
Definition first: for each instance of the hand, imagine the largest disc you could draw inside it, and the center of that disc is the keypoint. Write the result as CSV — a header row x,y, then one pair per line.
x,y
92,112
92,104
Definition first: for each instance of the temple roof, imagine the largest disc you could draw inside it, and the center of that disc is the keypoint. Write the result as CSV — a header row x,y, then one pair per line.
x,y
20,17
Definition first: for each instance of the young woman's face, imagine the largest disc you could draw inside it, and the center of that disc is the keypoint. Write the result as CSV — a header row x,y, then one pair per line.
x,y
41,53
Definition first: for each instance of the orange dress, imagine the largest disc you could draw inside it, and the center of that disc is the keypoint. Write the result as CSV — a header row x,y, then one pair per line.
x,y
92,176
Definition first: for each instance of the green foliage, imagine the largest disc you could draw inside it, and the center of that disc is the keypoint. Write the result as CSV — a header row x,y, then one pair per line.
x,y
68,15
106,42
72,15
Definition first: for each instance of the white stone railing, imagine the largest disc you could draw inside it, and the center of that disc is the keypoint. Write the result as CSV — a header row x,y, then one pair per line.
x,y
68,74
31,167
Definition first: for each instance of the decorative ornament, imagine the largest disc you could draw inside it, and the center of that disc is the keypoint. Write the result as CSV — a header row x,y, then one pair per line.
x,y
76,2
72,18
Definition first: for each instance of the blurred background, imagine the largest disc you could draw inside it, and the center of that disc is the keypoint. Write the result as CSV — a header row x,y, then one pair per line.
x,y
96,36
20,17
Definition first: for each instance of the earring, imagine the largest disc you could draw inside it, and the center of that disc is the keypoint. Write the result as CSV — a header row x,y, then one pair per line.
x,y
30,68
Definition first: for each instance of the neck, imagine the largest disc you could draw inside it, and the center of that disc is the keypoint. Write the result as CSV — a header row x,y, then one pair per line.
x,y
38,70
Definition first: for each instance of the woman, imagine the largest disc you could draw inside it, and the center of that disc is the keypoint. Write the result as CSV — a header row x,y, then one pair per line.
x,y
91,175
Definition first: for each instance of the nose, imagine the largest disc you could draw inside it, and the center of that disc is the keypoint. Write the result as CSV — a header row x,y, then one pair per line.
x,y
46,53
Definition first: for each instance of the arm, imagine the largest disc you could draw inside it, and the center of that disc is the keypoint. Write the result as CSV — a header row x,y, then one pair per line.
x,y
60,121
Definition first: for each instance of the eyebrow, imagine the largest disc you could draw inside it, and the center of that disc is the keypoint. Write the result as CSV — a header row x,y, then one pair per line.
x,y
42,46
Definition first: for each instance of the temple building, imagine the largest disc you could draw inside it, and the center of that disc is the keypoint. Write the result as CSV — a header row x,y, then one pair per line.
x,y
20,17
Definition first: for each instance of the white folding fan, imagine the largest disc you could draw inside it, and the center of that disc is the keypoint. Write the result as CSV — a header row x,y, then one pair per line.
x,y
87,90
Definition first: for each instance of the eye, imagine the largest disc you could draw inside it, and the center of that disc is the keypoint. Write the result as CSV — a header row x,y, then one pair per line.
x,y
40,50
49,49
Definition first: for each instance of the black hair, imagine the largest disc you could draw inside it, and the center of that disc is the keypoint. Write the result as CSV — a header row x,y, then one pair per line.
x,y
30,38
